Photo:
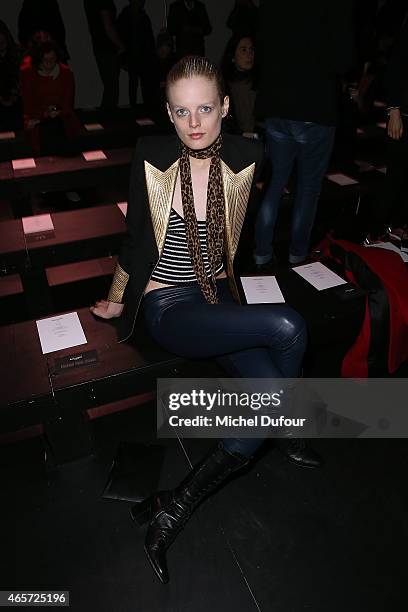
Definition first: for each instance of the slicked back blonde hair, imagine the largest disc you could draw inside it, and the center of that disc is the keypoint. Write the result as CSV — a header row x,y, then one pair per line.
x,y
195,65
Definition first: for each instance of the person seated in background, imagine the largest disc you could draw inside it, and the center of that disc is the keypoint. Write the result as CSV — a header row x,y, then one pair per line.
x,y
38,37
48,101
240,79
243,18
11,115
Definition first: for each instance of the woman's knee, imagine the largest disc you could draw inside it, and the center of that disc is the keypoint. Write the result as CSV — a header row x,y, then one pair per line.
x,y
290,325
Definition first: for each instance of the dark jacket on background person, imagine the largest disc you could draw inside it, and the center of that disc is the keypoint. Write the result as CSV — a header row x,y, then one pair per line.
x,y
11,114
302,49
36,15
243,19
93,9
135,30
396,74
152,181
189,26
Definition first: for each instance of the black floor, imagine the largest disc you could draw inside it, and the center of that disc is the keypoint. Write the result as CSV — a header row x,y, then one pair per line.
x,y
277,538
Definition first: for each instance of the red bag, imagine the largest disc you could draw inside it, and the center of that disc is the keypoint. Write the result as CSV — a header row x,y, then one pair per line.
x,y
382,344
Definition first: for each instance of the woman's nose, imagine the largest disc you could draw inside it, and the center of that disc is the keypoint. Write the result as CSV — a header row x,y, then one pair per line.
x,y
194,120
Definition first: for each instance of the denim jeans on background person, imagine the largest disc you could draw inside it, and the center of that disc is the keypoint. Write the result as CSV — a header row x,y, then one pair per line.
x,y
311,145
249,341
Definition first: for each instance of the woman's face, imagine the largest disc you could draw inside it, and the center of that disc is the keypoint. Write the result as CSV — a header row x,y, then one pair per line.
x,y
49,61
195,109
244,55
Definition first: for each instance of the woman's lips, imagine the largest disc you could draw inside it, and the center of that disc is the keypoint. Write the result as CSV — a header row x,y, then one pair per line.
x,y
196,136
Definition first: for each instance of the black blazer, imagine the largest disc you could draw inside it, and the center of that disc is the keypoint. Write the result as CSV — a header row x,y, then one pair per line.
x,y
152,182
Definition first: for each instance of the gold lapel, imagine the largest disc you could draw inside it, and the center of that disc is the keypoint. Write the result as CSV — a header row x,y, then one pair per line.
x,y
237,188
160,190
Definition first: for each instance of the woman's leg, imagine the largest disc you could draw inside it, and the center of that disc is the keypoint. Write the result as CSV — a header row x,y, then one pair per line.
x,y
253,341
185,324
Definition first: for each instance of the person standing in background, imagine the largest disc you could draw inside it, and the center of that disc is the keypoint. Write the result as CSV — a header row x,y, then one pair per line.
x,y
304,47
136,32
42,15
391,208
11,113
188,21
243,18
107,46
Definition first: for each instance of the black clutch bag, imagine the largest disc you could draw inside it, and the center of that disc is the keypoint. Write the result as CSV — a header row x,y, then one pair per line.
x,y
134,473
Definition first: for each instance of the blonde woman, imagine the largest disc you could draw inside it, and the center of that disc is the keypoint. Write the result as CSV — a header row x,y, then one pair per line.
x,y
188,197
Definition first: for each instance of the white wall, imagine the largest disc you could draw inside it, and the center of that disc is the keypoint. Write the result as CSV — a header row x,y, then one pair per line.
x,y
89,89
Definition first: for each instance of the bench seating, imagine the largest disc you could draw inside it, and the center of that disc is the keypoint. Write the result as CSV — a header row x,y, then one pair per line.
x,y
79,284
37,390
63,174
78,234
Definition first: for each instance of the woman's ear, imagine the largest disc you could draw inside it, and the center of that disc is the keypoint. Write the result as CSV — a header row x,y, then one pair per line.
x,y
225,107
169,112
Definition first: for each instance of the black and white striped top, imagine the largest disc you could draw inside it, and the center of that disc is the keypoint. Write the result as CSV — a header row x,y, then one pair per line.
x,y
174,266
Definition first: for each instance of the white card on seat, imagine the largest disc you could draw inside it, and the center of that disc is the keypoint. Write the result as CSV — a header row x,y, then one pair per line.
x,y
93,127
123,206
144,121
37,223
7,135
60,332
341,179
262,290
381,124
94,155
23,164
319,276
364,166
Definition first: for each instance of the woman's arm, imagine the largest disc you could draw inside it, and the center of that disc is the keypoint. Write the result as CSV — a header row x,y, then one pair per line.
x,y
135,236
111,31
68,92
27,92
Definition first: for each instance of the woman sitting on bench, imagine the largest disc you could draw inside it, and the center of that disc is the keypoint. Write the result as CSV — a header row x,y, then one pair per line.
x,y
48,101
188,196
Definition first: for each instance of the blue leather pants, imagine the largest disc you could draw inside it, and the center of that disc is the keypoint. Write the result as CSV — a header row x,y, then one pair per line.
x,y
249,341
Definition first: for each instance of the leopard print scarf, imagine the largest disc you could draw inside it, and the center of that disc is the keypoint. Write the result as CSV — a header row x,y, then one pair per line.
x,y
215,215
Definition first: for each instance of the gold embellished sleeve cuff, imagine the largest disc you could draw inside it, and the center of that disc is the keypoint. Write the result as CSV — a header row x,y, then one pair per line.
x,y
118,286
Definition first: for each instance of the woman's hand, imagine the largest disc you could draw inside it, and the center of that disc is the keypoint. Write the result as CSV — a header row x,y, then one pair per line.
x,y
107,310
51,112
32,123
395,125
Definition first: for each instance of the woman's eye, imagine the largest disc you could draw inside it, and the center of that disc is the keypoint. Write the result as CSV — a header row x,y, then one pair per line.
x,y
206,109
181,112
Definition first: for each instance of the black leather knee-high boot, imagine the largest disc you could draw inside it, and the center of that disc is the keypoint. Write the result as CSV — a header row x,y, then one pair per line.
x,y
168,511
